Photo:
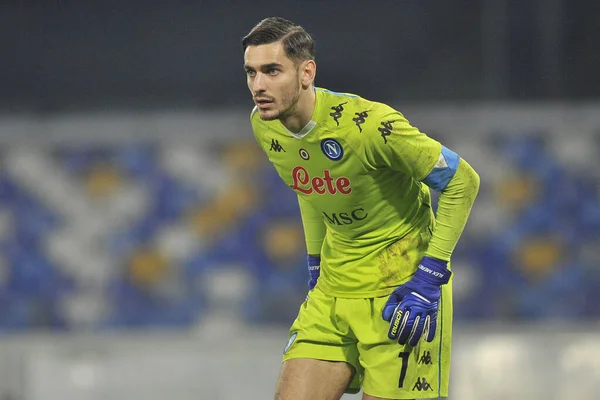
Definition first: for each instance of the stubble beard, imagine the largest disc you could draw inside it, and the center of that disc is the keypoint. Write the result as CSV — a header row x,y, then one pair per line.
x,y
290,105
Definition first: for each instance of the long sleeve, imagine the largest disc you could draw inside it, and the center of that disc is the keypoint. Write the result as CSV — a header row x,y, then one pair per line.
x,y
314,227
454,207
424,159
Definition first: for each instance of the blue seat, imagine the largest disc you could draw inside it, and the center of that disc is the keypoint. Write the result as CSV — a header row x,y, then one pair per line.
x,y
133,307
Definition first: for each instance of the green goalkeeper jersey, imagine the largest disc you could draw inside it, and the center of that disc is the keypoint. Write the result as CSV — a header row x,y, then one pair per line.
x,y
358,169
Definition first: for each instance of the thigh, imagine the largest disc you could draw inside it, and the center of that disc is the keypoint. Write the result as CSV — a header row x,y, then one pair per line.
x,y
319,333
393,371
309,379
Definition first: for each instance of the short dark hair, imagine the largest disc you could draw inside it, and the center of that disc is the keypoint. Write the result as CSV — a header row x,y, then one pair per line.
x,y
297,43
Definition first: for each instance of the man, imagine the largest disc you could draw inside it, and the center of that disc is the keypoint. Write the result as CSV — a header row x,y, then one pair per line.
x,y
379,309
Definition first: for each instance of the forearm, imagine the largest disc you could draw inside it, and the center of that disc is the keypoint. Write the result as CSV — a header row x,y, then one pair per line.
x,y
314,228
454,207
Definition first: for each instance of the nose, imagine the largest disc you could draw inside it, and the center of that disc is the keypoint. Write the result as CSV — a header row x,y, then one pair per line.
x,y
258,83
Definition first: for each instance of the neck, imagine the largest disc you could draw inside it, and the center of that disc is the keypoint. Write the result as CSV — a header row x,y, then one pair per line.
x,y
302,112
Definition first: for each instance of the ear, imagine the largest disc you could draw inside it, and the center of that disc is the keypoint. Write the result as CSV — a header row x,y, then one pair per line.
x,y
308,71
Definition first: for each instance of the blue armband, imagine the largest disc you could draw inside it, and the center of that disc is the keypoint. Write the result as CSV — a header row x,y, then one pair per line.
x,y
443,172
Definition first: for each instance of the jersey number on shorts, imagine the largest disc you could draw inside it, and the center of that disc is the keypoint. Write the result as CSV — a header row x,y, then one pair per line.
x,y
404,356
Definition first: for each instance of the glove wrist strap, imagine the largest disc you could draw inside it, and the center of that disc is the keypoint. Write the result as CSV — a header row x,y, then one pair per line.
x,y
433,271
313,261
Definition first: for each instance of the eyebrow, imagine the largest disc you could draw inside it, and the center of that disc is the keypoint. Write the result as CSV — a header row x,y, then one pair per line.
x,y
264,66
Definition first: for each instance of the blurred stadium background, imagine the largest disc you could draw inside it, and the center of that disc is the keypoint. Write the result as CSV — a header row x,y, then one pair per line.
x,y
149,251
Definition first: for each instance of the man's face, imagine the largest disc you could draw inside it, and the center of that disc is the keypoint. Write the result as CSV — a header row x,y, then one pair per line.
x,y
273,80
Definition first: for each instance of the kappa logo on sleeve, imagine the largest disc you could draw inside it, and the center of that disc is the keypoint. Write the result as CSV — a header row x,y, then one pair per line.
x,y
386,129
360,118
337,112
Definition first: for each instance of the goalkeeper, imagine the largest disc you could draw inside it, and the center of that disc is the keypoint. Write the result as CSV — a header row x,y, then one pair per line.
x,y
378,315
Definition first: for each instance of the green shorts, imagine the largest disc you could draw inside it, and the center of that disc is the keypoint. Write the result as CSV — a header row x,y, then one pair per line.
x,y
352,330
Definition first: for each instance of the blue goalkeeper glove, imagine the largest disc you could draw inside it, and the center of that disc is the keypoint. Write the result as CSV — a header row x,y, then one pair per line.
x,y
314,269
413,307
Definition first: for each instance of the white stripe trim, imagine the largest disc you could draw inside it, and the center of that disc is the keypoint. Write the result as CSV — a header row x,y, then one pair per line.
x,y
421,297
304,131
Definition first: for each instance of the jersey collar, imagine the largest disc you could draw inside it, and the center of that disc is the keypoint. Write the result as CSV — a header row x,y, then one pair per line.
x,y
304,131
315,118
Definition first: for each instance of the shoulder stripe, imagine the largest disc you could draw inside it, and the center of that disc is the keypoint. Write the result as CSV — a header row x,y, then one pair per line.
x,y
336,93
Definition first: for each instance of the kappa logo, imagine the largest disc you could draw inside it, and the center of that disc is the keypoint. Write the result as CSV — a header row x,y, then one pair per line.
x,y
337,112
422,384
275,146
332,149
360,118
386,130
426,358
